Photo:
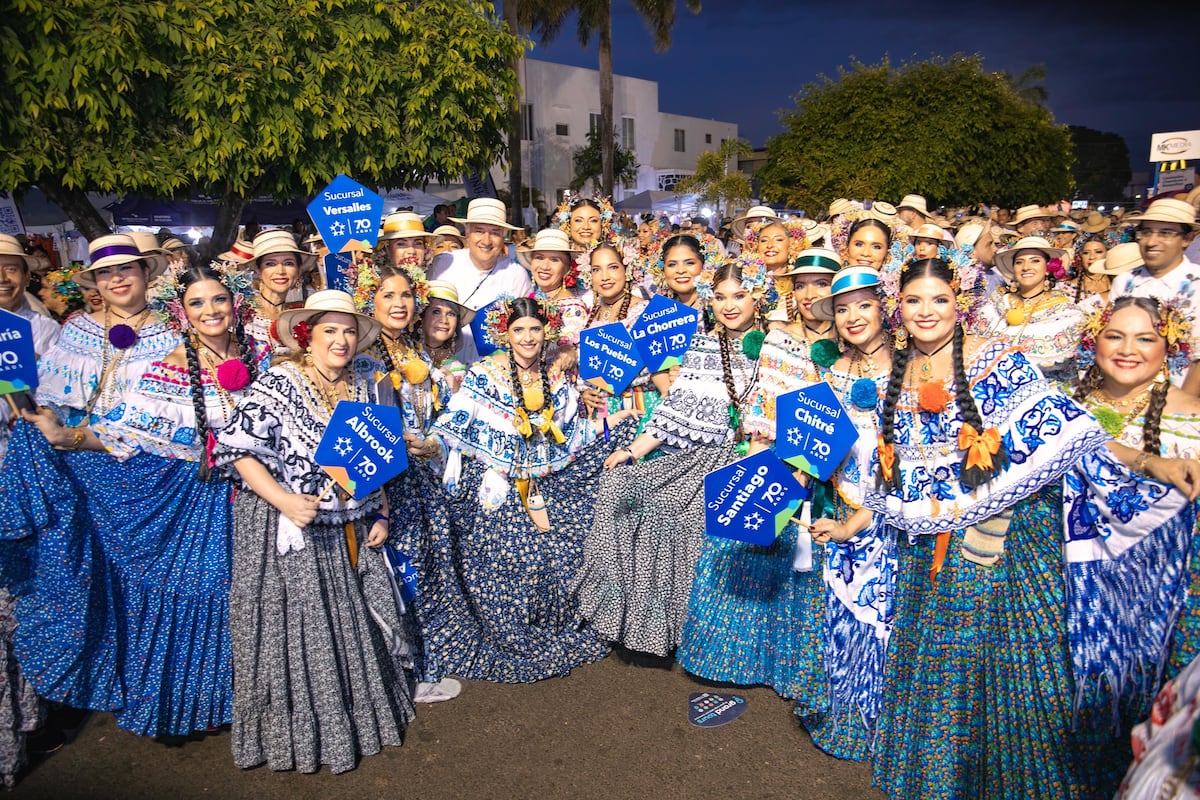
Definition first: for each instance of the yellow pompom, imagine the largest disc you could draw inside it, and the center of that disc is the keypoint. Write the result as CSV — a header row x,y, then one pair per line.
x,y
1016,316
415,371
534,399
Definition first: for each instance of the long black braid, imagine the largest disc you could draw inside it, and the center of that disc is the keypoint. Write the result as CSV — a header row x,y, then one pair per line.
x,y
895,383
626,298
730,270
195,372
971,477
528,307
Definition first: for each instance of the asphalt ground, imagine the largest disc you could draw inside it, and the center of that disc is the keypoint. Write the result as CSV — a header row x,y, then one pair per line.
x,y
610,730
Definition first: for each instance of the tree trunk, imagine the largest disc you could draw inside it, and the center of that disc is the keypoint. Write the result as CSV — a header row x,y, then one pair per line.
x,y
80,210
604,14
225,230
515,131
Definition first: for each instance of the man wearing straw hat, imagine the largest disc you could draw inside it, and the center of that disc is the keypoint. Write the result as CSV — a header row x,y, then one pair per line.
x,y
1031,221
15,268
1164,230
482,271
913,211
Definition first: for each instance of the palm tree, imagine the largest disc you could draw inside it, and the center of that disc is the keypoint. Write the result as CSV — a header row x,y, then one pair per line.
x,y
595,16
1028,85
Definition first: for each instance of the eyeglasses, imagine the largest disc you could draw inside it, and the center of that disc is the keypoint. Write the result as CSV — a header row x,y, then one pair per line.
x,y
1145,234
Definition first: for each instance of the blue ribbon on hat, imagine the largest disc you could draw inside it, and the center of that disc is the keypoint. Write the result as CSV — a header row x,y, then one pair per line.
x,y
849,280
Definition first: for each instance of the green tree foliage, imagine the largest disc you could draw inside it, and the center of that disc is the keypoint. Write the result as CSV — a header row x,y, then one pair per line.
x,y
235,98
546,18
717,178
588,166
944,128
1101,168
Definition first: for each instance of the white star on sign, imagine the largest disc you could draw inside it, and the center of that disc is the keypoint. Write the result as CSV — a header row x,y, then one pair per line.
x,y
655,348
342,446
337,229
754,521
794,437
594,362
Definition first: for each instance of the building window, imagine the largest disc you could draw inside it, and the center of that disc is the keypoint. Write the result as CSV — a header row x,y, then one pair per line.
x,y
680,142
527,121
627,137
667,180
561,129
708,138
593,123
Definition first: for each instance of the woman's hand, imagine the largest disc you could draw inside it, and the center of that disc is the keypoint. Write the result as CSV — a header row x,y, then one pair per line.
x,y
48,423
419,446
378,533
618,457
828,530
593,398
301,509
1182,473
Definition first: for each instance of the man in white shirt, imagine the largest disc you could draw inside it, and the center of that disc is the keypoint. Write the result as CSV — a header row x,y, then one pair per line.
x,y
1164,230
482,271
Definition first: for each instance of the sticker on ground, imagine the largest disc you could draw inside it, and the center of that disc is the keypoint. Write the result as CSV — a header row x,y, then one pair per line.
x,y
708,709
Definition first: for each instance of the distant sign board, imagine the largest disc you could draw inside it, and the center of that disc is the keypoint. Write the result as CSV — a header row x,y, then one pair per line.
x,y
1176,180
1175,146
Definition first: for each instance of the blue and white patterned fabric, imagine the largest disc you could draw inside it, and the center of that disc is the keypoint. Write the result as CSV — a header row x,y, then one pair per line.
x,y
479,422
1044,431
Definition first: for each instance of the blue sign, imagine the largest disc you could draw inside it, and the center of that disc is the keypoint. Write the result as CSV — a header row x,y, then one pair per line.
x,y
483,342
336,265
347,215
751,500
608,358
18,362
709,709
363,446
403,572
813,432
663,332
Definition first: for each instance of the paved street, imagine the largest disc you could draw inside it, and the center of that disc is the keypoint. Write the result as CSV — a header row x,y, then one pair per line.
x,y
611,731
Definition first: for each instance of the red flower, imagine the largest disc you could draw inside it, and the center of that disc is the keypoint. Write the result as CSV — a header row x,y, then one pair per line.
x,y
302,332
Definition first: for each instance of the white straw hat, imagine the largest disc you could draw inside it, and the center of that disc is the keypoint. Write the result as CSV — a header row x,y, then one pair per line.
x,y
324,302
1168,210
1004,259
547,239
486,211
403,225
753,214
115,249
10,246
916,202
278,240
447,291
1121,258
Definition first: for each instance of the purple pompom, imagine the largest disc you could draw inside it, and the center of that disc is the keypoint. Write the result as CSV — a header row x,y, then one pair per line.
x,y
122,337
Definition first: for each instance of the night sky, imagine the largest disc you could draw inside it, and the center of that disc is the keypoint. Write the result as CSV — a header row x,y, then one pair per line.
x,y
744,60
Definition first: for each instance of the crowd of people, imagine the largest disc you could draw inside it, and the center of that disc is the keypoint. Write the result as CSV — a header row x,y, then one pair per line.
x,y
984,599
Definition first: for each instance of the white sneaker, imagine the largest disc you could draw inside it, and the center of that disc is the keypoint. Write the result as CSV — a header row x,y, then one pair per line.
x,y
445,689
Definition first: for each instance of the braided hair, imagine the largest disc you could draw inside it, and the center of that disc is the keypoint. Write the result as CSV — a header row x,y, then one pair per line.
x,y
693,244
191,276
386,271
870,222
626,298
1093,379
969,476
528,307
730,270
1081,271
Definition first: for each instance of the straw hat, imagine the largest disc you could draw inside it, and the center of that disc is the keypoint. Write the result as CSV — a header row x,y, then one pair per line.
x,y
240,252
884,212
1169,210
850,279
929,231
969,234
148,243
445,290
327,301
1026,213
547,240
114,249
449,230
818,233
1066,226
9,246
1094,223
1004,259
815,261
278,240
486,211
840,206
403,225
754,214
916,202
1121,258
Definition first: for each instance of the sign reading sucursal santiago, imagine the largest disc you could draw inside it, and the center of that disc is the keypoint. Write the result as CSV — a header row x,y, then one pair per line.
x,y
347,215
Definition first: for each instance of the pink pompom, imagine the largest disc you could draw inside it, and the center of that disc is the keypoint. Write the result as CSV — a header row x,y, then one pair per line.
x,y
232,375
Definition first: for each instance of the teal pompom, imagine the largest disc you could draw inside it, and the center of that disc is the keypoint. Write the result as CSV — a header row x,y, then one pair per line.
x,y
824,352
752,344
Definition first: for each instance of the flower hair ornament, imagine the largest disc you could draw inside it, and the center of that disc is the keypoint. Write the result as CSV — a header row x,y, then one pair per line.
x,y
710,248
1172,325
969,283
797,236
562,217
627,249
758,281
362,280
495,322
166,298
61,283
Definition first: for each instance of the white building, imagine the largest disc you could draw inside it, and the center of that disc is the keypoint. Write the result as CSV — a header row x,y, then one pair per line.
x,y
561,104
